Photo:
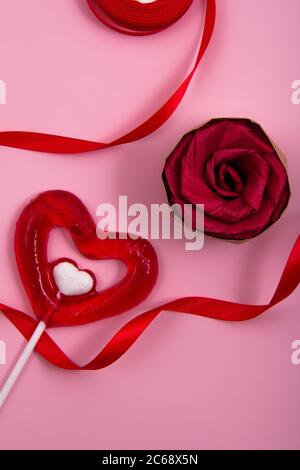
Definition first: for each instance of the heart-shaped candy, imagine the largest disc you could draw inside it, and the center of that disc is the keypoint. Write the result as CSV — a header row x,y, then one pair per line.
x,y
70,280
56,291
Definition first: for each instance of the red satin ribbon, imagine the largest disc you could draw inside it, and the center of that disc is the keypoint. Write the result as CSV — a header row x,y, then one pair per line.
x,y
66,145
126,337
136,18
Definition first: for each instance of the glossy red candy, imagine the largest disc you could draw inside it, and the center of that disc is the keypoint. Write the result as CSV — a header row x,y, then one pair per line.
x,y
64,210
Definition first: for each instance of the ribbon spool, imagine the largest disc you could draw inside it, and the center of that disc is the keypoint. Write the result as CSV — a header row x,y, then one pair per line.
x,y
49,143
139,17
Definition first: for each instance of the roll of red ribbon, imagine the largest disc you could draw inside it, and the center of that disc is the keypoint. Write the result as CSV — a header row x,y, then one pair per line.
x,y
50,143
139,17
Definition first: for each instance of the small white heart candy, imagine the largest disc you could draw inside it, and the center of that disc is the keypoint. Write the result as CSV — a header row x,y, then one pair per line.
x,y
71,281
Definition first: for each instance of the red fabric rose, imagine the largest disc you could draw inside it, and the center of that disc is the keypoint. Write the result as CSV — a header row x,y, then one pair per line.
x,y
231,167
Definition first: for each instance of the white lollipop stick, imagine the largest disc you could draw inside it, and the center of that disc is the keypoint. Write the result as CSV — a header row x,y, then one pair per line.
x,y
70,281
21,362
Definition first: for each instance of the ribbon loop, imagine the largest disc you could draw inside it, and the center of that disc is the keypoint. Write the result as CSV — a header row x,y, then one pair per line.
x,y
128,334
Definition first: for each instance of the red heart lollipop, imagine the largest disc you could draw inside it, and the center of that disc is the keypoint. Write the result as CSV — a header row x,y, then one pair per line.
x,y
59,293
79,302
55,306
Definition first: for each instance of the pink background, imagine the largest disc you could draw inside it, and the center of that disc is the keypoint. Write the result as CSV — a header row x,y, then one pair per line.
x,y
188,382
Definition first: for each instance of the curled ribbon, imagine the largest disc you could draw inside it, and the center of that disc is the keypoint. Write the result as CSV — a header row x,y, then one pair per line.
x,y
48,143
126,336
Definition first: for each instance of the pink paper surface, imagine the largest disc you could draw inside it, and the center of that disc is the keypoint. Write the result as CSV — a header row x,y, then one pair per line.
x,y
188,382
